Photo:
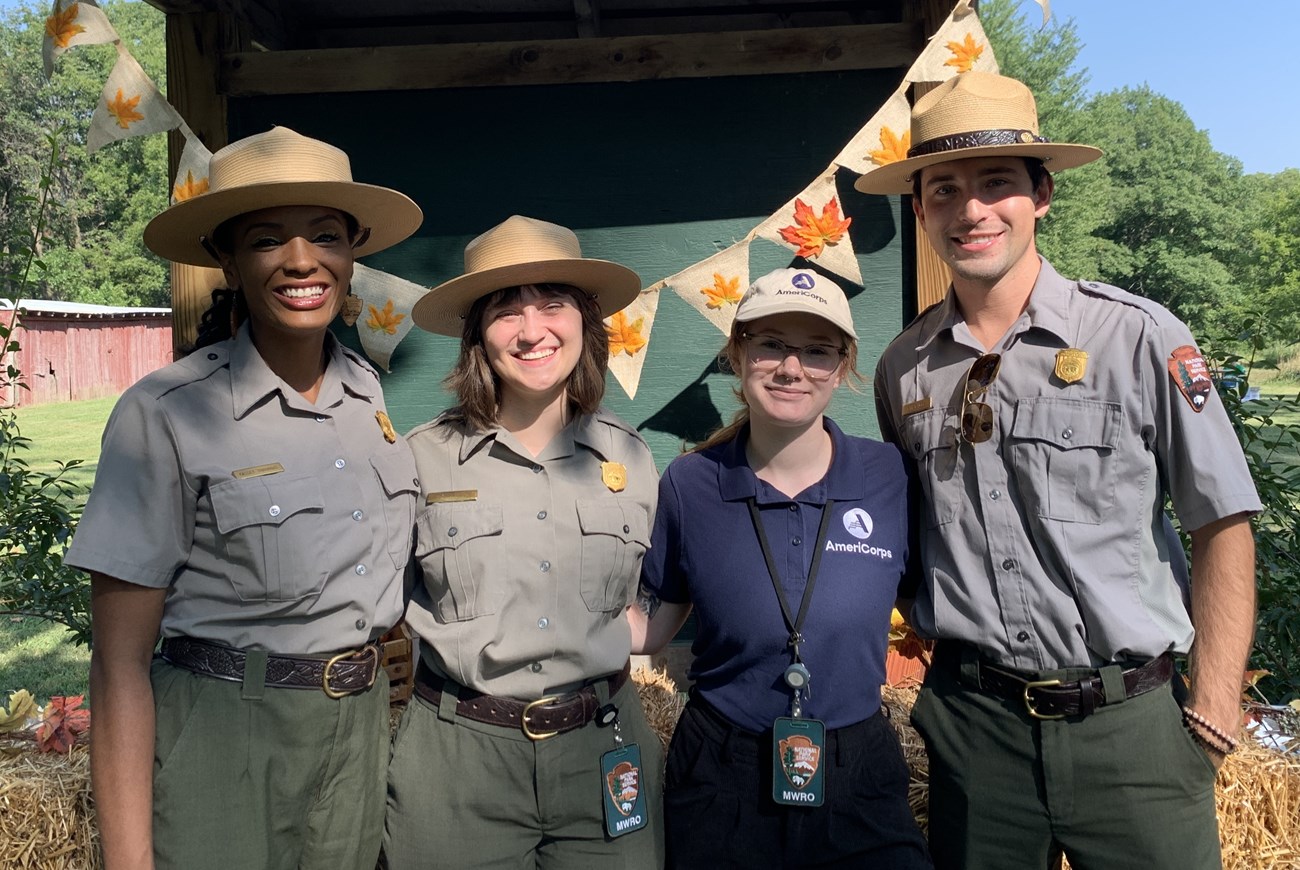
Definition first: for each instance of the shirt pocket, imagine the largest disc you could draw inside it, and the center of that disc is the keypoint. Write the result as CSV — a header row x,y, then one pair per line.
x,y
615,537
931,439
397,476
1062,452
459,549
271,534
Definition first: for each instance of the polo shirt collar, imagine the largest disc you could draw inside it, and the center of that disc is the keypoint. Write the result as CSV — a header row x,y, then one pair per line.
x,y
252,381
845,480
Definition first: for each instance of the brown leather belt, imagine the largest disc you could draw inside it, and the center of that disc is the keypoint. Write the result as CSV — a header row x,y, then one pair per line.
x,y
1053,699
545,717
344,674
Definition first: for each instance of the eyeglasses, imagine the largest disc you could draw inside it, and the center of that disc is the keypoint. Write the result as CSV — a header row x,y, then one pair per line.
x,y
819,361
977,417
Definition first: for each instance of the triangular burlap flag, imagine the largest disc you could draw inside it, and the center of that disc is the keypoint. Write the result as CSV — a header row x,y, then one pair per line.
x,y
884,139
1047,10
958,46
629,338
815,227
192,171
129,106
714,286
385,311
72,24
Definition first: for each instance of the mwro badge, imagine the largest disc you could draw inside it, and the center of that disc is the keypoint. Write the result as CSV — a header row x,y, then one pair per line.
x,y
798,750
624,794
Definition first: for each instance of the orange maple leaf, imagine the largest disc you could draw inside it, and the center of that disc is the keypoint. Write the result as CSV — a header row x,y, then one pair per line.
x,y
189,188
810,233
60,27
723,291
964,53
893,148
624,337
904,641
385,320
61,723
124,109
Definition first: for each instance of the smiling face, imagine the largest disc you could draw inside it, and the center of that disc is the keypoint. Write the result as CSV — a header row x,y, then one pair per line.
x,y
533,342
783,395
293,264
979,215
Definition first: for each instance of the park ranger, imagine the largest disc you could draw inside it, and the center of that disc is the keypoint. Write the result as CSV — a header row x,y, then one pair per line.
x,y
1049,419
526,744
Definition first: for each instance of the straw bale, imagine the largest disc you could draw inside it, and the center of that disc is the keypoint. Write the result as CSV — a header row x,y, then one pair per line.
x,y
661,700
46,815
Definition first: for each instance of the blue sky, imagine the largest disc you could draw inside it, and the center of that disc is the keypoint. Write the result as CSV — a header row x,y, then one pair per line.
x,y
1232,66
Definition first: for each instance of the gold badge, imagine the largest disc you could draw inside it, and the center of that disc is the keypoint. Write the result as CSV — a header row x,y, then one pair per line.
x,y
917,407
1071,364
386,426
257,471
614,475
451,495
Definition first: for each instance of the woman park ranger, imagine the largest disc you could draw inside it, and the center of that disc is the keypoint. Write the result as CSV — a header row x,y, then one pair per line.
x,y
254,506
526,744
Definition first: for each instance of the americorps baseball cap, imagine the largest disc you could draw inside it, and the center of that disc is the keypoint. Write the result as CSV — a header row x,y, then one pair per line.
x,y
796,290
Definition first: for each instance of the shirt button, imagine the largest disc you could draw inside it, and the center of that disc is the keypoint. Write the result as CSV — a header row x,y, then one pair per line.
x,y
794,507
545,566
536,469
320,418
796,540
1067,433
274,511
339,463
358,516
995,494
212,356
361,569
543,622
536,667
541,515
627,529
1008,564
451,533
360,624
1023,636
415,482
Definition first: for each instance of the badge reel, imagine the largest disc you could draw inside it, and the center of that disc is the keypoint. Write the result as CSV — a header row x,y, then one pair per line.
x,y
622,789
798,748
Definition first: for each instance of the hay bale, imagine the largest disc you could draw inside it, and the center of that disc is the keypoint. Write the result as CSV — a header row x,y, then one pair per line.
x,y
46,815
661,700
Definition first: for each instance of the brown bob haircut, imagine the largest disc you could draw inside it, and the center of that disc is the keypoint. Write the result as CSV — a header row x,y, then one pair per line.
x,y
476,385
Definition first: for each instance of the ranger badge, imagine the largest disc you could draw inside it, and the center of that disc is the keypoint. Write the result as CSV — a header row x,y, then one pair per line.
x,y
1191,375
386,426
1071,364
614,476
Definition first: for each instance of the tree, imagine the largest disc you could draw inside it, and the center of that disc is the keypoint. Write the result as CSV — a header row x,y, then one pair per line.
x,y
1269,264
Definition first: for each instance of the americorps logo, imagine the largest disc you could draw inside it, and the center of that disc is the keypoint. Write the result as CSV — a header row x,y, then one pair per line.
x,y
858,523
802,280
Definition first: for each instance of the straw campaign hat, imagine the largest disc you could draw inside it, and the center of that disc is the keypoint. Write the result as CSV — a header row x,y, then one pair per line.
x,y
786,291
523,250
974,114
276,168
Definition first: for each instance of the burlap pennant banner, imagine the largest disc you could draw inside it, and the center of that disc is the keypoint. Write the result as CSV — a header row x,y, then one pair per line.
x,y
386,303
129,106
714,286
959,46
629,338
72,24
885,139
192,171
815,227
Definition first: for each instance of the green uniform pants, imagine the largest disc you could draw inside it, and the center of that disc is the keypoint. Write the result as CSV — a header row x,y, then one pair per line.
x,y
250,777
462,794
1126,787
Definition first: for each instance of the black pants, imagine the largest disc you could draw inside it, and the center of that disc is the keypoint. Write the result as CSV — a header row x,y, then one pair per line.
x,y
719,812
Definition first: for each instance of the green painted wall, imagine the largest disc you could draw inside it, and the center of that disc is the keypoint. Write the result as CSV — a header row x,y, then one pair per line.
x,y
656,175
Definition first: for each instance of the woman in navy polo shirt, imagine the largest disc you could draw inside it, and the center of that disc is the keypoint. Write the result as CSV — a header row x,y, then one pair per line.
x,y
789,540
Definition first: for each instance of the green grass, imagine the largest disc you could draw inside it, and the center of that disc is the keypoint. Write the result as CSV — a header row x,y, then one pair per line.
x,y
38,656
62,431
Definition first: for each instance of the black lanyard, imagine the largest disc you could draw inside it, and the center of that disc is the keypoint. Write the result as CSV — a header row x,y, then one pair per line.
x,y
794,625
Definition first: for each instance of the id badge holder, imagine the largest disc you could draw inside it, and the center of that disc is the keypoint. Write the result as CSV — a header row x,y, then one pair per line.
x,y
622,788
798,762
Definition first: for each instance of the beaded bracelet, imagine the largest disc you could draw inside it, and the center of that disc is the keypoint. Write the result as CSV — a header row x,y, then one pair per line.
x,y
1227,743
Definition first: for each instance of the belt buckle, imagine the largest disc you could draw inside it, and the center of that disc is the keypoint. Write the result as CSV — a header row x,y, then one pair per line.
x,y
370,650
1029,702
523,719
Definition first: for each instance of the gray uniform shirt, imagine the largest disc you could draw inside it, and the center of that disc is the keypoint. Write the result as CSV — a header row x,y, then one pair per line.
x,y
528,564
273,523
1044,546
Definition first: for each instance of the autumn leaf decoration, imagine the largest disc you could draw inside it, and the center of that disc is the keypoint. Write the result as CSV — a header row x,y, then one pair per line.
x,y
61,26
624,337
810,233
893,147
904,641
964,54
123,109
386,320
20,707
189,188
723,291
62,723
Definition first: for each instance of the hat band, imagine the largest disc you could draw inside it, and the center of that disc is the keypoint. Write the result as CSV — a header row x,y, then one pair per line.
x,y
975,139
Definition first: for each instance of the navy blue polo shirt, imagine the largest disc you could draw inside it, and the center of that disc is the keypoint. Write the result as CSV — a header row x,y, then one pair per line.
x,y
704,551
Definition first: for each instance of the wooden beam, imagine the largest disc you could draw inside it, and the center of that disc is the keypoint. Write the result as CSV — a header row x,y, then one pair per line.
x,y
565,61
932,274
